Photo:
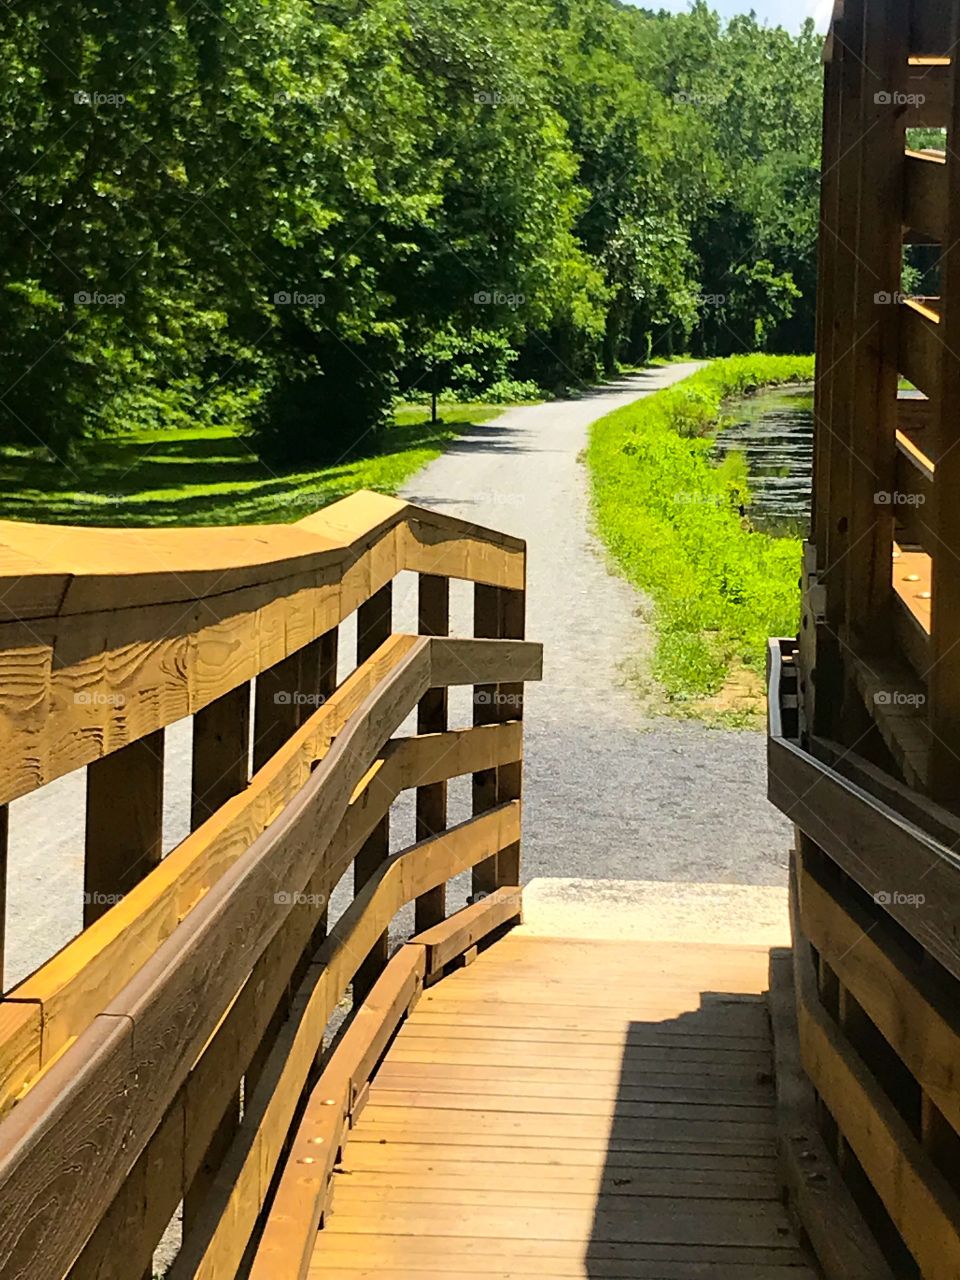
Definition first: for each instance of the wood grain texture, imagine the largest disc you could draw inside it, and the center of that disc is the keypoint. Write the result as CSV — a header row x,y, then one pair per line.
x,y
214,1249
286,1245
77,983
107,635
873,843
164,1017
482,1169
892,988
445,941
124,823
920,1201
813,1188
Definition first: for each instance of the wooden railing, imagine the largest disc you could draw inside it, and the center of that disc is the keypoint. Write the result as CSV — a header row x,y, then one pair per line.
x,y
875,895
162,1057
879,658
864,747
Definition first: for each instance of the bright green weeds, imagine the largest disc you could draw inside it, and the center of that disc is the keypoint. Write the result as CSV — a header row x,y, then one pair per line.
x,y
671,519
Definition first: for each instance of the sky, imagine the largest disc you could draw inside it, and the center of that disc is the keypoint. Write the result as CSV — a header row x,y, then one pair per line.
x,y
787,13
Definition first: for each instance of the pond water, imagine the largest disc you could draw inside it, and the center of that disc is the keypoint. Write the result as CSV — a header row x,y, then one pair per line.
x,y
773,430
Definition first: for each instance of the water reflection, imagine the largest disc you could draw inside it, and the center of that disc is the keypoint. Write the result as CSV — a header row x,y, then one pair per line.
x,y
773,430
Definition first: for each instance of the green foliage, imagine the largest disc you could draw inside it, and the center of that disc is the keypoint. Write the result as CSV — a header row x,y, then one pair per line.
x,y
672,519
283,213
207,475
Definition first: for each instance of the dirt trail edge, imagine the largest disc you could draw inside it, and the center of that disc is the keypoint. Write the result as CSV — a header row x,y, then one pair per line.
x,y
610,794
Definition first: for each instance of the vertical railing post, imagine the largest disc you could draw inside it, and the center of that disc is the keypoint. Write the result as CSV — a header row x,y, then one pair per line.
x,y
944,520
277,707
374,625
433,620
221,753
124,824
285,696
510,707
327,647
499,613
220,770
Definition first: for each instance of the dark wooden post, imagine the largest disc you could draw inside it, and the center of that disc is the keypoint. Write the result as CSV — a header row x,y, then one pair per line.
x,y
277,706
124,825
221,769
499,614
221,753
374,624
433,620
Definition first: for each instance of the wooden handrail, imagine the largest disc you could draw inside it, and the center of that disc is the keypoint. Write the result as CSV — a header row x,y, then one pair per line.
x,y
877,846
287,1243
119,1078
107,635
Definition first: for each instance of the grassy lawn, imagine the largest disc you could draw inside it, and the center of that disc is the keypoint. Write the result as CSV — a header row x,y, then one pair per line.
x,y
209,476
671,519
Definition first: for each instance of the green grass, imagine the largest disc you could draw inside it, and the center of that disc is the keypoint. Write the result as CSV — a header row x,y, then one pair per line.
x,y
670,517
207,475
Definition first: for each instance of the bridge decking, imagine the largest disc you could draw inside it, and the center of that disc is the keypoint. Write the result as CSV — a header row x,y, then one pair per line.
x,y
566,1108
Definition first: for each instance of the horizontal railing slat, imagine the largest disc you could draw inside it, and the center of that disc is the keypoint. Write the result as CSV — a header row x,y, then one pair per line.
x,y
214,1250
921,347
144,627
869,840
923,1207
163,1018
925,194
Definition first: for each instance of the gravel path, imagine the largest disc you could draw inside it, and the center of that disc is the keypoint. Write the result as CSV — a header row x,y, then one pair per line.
x,y
609,793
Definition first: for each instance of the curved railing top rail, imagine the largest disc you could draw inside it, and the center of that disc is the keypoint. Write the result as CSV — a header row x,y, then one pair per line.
x,y
49,571
107,635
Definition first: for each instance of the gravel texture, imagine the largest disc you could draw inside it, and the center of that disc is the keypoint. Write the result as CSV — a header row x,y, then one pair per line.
x,y
610,793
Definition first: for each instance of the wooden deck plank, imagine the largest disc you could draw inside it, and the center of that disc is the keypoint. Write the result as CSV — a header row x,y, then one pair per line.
x,y
564,1109
658,1157
576,1184
613,1262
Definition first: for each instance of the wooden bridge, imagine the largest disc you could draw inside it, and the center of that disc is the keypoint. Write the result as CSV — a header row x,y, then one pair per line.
x,y
298,1045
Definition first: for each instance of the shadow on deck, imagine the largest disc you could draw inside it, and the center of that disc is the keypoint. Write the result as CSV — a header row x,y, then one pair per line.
x,y
565,1108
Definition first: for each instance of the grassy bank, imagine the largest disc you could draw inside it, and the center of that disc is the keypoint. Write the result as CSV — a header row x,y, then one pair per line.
x,y
671,519
208,475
